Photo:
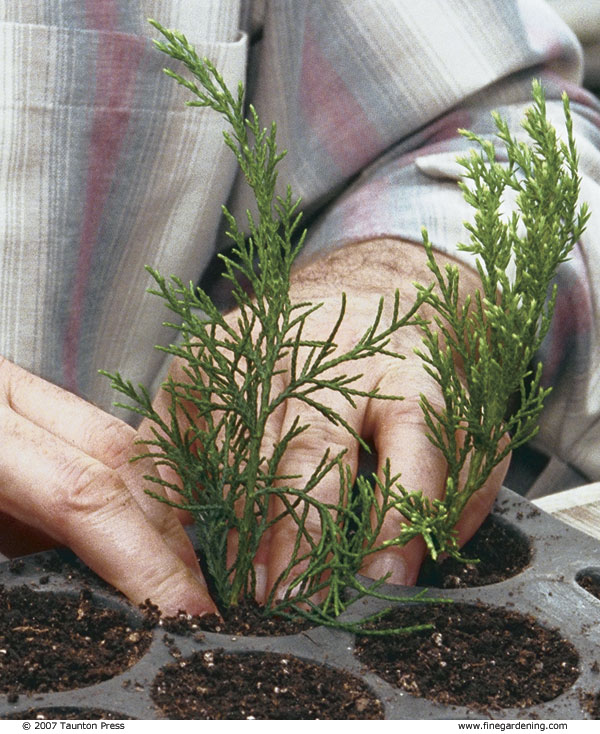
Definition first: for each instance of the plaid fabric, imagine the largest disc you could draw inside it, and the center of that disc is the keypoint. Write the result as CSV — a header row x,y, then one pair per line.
x,y
103,170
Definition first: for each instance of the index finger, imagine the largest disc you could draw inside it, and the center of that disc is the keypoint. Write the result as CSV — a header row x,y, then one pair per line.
x,y
82,503
96,433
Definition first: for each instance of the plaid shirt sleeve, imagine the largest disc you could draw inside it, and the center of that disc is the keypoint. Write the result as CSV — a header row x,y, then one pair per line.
x,y
103,170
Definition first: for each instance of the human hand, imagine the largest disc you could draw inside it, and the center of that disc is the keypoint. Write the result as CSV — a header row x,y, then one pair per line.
x,y
65,474
397,430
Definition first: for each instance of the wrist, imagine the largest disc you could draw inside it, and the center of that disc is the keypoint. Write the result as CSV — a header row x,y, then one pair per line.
x,y
379,266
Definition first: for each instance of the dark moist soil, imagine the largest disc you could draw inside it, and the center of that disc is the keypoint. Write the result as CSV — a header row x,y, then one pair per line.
x,y
473,656
502,553
591,583
54,642
219,685
247,618
57,642
591,703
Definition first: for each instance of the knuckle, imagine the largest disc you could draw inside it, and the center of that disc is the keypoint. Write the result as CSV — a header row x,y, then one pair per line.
x,y
165,581
408,412
410,385
112,440
86,488
321,434
9,375
411,408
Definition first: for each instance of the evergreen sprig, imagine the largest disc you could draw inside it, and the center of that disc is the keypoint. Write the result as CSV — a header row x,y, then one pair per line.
x,y
213,437
478,351
495,334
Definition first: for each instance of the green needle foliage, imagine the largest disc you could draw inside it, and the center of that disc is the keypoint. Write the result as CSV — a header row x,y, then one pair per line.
x,y
237,371
496,334
214,435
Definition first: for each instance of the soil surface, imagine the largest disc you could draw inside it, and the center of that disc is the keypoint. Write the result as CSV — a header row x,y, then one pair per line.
x,y
247,618
591,703
219,685
502,553
473,656
57,642
591,583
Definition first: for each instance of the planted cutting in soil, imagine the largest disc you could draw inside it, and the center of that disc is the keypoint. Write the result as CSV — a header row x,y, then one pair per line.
x,y
500,551
246,618
483,659
219,685
473,656
57,642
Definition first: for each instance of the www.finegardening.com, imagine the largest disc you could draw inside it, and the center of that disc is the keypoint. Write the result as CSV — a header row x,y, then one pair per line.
x,y
507,725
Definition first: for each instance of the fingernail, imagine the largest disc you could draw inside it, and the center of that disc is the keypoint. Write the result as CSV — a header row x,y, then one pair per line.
x,y
388,563
196,571
283,590
260,580
192,598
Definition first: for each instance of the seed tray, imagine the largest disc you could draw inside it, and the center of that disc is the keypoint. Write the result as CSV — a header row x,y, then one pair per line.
x,y
547,589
